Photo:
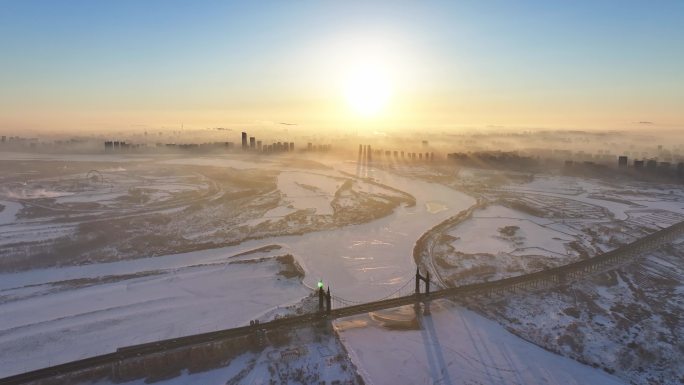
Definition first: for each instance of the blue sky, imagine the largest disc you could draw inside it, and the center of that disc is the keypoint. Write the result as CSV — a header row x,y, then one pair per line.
x,y
511,61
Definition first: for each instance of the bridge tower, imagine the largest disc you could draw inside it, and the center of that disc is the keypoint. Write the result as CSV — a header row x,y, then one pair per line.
x,y
324,299
328,301
425,279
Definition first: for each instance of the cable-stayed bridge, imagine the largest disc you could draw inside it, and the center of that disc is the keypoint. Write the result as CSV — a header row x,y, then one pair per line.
x,y
415,289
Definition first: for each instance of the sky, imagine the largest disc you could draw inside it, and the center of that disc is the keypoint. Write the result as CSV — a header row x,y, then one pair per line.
x,y
96,65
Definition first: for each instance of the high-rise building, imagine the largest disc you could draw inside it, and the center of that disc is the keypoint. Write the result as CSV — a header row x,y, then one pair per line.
x,y
244,140
252,143
259,145
638,163
622,161
291,146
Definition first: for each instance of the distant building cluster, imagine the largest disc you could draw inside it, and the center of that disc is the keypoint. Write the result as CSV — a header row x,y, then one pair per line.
x,y
311,147
653,166
366,152
254,145
493,159
198,146
18,140
116,145
248,144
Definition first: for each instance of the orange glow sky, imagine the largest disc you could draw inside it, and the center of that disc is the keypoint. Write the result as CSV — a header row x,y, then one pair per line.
x,y
395,65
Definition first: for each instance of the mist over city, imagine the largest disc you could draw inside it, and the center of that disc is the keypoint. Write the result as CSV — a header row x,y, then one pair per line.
x,y
341,193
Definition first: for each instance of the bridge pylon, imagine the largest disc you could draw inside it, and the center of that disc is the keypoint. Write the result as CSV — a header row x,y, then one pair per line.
x,y
425,279
328,301
324,300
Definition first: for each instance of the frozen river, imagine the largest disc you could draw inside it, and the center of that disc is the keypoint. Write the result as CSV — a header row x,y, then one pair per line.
x,y
367,261
359,262
181,297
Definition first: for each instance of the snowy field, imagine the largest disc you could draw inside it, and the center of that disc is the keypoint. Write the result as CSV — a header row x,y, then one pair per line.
x,y
456,346
352,227
627,320
307,355
530,223
122,305
131,301
486,233
73,214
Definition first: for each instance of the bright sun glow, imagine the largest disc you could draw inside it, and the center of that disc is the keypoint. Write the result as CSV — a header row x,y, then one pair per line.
x,y
368,90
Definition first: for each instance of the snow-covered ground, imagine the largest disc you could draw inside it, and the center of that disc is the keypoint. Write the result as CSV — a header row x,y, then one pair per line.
x,y
531,223
483,233
627,320
360,262
306,355
302,191
9,211
133,301
617,199
457,346
57,318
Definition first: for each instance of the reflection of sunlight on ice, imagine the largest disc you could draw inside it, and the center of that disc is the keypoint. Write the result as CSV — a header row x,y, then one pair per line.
x,y
393,281
33,193
347,324
435,207
374,242
357,258
364,269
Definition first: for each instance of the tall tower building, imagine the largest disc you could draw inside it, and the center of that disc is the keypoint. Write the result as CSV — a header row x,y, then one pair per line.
x,y
252,143
244,140
622,161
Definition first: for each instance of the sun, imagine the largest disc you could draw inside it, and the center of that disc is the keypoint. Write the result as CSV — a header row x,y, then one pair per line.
x,y
368,89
